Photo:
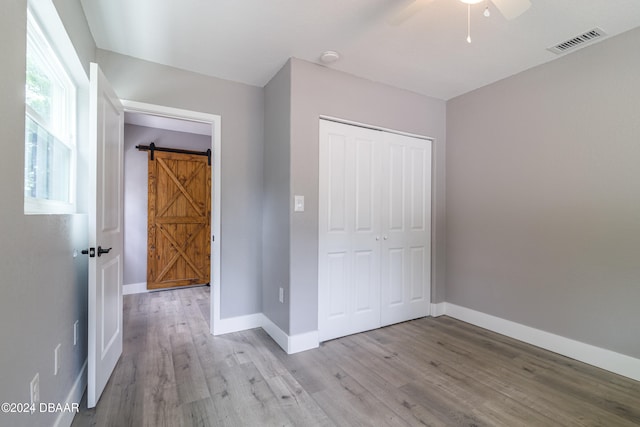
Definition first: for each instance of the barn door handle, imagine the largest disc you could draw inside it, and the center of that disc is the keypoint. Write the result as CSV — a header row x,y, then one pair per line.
x,y
103,251
91,252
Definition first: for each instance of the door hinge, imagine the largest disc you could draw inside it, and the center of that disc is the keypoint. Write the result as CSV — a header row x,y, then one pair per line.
x,y
213,238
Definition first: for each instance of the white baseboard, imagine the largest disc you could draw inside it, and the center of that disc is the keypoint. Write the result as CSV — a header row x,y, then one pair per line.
x,y
438,309
606,359
291,343
134,288
237,324
277,334
303,342
75,396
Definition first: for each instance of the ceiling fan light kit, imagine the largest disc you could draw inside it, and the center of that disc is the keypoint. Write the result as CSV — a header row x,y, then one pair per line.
x,y
510,9
468,20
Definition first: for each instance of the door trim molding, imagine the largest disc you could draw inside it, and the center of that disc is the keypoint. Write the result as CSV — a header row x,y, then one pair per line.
x,y
216,144
373,127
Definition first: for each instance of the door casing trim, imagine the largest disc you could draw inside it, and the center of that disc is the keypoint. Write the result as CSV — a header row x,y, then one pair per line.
x,y
216,144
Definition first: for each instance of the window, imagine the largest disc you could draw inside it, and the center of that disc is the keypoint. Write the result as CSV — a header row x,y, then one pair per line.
x,y
50,146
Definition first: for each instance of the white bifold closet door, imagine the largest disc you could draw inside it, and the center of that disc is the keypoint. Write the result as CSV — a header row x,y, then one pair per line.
x,y
374,229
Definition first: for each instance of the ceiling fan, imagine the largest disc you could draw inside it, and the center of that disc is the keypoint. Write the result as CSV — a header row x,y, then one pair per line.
x,y
510,9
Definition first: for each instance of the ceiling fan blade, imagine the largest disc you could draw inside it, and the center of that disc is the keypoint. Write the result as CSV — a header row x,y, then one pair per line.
x,y
407,12
512,8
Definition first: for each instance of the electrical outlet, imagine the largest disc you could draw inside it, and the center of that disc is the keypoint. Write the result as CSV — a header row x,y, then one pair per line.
x,y
56,360
35,390
75,332
281,295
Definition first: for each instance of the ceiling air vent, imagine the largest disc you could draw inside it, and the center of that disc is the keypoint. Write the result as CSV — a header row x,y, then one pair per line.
x,y
578,41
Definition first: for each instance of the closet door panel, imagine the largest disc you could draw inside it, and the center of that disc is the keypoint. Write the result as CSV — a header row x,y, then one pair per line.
x,y
418,270
374,229
348,302
394,196
396,262
337,177
337,279
365,198
417,188
406,295
364,301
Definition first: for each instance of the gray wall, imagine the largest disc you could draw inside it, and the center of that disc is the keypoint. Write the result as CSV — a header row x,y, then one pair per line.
x,y
75,23
43,286
316,91
242,110
136,190
276,205
543,197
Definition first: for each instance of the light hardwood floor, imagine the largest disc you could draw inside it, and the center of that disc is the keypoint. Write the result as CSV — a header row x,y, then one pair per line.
x,y
431,371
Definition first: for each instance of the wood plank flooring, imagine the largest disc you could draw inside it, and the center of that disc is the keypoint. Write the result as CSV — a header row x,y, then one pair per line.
x,y
427,372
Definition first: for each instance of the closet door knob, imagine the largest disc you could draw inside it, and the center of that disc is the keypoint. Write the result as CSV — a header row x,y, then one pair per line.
x,y
385,237
377,237
103,251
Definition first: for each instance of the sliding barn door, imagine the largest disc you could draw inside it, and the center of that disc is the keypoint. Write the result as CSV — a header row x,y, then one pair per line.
x,y
374,229
179,219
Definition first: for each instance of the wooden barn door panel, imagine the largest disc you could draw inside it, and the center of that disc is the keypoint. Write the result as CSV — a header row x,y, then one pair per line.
x,y
179,220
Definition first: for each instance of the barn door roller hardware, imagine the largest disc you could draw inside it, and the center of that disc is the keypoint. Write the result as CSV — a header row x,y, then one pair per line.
x,y
153,148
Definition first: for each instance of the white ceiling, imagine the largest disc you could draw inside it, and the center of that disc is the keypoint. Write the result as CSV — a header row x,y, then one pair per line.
x,y
248,41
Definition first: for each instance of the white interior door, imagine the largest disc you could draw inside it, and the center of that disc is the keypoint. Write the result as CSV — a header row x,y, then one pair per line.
x,y
105,234
406,229
349,262
374,229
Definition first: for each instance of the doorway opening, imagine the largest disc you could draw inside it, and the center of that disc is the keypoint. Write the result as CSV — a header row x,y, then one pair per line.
x,y
145,124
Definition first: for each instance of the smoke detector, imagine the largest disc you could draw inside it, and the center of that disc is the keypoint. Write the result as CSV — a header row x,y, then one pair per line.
x,y
329,57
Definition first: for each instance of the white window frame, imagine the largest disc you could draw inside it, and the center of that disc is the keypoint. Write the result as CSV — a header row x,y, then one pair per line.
x,y
64,129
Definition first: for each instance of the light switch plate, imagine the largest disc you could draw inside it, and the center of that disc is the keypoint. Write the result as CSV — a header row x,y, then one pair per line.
x,y
298,203
35,389
56,360
75,332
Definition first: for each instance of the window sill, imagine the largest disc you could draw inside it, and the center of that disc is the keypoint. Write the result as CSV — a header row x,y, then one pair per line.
x,y
47,207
